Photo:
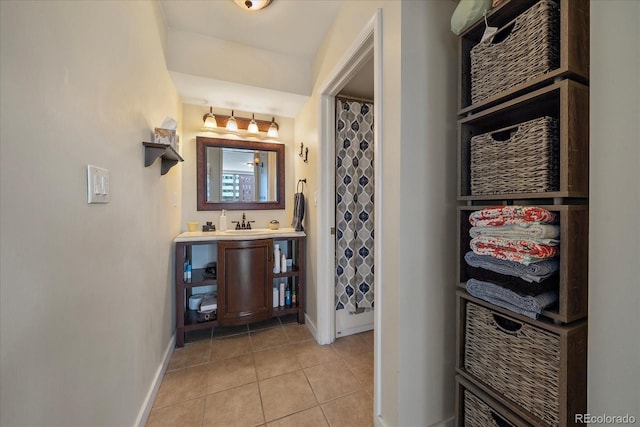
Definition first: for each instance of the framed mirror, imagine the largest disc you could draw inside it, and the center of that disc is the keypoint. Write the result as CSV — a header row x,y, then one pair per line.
x,y
239,175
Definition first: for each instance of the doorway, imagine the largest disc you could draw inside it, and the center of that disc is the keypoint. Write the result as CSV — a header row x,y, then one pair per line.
x,y
365,49
354,204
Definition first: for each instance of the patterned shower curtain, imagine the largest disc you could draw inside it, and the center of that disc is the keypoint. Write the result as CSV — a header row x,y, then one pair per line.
x,y
354,206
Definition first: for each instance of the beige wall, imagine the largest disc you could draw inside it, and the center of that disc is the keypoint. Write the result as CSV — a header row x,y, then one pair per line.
x,y
614,199
191,126
86,304
418,191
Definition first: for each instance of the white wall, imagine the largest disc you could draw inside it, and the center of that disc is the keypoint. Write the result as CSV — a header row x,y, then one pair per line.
x,y
192,125
205,56
426,215
614,199
418,191
86,303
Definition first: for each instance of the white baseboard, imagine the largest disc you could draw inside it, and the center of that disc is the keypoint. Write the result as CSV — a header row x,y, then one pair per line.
x,y
446,423
378,422
312,328
143,415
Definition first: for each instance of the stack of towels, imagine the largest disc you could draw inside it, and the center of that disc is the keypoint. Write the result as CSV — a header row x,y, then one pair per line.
x,y
513,262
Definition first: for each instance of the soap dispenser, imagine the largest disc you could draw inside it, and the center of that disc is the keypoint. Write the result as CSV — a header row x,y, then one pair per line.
x,y
222,226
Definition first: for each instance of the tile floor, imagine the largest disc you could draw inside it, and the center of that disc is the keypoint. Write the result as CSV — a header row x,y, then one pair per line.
x,y
270,374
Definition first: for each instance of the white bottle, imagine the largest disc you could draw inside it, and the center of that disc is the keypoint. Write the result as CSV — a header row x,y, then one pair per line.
x,y
283,264
222,224
281,294
276,297
276,259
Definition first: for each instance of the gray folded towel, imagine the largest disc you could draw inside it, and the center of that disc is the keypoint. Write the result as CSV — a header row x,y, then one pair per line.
x,y
535,272
298,212
529,306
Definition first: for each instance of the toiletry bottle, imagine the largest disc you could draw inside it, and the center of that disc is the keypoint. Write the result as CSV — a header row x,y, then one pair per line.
x,y
287,296
281,294
276,297
294,298
184,271
276,258
188,273
222,226
283,263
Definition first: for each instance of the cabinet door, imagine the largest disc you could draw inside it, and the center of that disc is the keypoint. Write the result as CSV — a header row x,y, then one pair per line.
x,y
244,281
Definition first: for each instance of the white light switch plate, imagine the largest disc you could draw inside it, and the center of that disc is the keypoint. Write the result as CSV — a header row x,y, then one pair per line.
x,y
97,185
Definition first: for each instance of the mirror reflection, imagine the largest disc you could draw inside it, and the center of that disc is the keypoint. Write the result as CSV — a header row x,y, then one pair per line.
x,y
240,175
236,174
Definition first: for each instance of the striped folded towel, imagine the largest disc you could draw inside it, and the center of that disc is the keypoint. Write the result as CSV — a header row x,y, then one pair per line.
x,y
540,233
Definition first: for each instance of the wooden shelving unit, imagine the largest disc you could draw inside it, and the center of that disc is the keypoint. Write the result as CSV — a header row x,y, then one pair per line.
x,y
563,95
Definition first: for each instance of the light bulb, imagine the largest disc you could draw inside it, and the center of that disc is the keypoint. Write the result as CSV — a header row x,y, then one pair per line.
x,y
273,129
232,125
210,120
253,126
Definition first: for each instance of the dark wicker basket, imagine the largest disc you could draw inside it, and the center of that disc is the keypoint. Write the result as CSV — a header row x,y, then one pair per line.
x,y
516,359
479,414
526,161
531,49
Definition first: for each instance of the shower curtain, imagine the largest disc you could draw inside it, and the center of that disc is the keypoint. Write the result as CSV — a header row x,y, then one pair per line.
x,y
354,206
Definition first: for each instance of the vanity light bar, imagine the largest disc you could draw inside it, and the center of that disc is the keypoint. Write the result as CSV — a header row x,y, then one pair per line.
x,y
243,123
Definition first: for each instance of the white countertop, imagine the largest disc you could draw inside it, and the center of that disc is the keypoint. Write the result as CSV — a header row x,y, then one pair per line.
x,y
258,233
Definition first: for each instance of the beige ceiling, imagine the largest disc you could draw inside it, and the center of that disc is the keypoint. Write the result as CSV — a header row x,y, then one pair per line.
x,y
294,28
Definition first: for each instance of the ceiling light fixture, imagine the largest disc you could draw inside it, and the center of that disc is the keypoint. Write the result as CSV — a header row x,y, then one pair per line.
x,y
210,120
232,125
252,5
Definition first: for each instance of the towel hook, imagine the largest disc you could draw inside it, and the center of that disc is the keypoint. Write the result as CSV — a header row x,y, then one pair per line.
x,y
302,181
306,155
301,147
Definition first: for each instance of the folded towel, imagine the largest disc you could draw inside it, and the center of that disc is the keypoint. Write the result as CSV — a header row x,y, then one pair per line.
x,y
505,215
298,212
540,233
522,251
535,272
515,284
530,306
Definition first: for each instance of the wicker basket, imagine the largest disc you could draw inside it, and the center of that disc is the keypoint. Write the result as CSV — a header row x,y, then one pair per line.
x,y
518,360
527,161
479,414
531,49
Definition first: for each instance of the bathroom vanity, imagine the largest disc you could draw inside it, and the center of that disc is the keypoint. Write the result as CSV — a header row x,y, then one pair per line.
x,y
238,265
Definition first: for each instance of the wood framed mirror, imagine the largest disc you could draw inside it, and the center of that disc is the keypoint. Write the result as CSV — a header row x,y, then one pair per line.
x,y
239,175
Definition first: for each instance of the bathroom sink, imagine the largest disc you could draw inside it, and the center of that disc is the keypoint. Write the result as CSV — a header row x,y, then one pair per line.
x,y
253,231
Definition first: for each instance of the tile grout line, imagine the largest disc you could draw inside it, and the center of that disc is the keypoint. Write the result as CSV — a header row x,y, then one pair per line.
x,y
255,370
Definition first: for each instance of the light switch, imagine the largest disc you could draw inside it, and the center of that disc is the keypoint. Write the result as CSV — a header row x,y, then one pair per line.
x,y
97,185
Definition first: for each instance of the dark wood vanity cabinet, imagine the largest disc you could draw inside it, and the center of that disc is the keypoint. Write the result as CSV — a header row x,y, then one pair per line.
x,y
239,272
244,281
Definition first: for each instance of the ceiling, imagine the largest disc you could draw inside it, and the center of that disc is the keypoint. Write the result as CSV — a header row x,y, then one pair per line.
x,y
294,27
291,27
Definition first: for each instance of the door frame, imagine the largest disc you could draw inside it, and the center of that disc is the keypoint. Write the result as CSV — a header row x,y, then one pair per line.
x,y
366,44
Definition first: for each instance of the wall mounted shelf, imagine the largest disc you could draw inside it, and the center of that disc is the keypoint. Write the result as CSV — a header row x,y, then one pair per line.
x,y
169,155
